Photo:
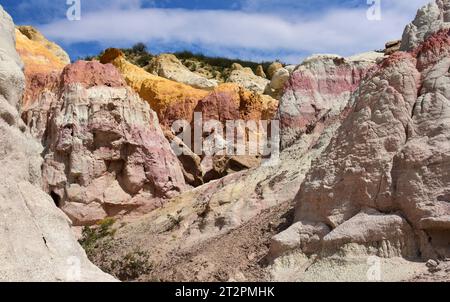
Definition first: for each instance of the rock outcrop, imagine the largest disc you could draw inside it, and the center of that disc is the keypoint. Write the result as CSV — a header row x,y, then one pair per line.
x,y
214,215
214,73
429,19
207,215
371,160
381,188
37,242
362,180
392,46
321,86
171,100
176,101
34,35
43,61
36,56
279,80
366,140
169,67
273,68
260,72
247,79
230,102
106,154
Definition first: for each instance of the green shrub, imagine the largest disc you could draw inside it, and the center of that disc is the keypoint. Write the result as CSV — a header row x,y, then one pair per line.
x,y
92,235
139,48
99,244
174,221
219,61
143,60
88,58
131,266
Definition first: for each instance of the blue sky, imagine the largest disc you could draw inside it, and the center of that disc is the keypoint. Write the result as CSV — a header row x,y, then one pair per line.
x,y
248,29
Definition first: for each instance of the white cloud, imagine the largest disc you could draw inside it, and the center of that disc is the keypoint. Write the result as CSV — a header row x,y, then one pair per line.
x,y
343,31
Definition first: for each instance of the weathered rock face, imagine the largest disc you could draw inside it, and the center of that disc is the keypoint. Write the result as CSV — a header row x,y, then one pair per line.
x,y
273,68
171,100
392,46
279,80
321,86
383,183
290,68
214,73
232,102
190,162
37,243
220,214
220,206
106,154
429,19
34,35
371,161
260,72
174,101
247,79
43,61
204,216
35,54
169,67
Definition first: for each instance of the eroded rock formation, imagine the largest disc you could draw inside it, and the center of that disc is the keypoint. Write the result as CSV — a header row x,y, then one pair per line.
x,y
175,101
273,68
37,243
106,154
369,151
247,79
429,19
171,100
169,67
202,223
392,46
36,36
321,86
382,186
365,164
44,60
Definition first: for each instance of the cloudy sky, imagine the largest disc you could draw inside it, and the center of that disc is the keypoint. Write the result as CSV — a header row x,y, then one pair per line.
x,y
248,29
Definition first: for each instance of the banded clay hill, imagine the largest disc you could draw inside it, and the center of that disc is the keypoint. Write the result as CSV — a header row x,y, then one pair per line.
x,y
362,177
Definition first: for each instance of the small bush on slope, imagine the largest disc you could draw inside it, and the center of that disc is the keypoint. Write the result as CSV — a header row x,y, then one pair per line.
x,y
220,62
92,235
98,242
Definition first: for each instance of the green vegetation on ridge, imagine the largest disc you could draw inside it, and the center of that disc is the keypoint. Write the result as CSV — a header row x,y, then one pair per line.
x,y
139,55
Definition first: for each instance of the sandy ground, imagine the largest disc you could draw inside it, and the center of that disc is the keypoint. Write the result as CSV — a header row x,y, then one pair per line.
x,y
240,255
438,274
